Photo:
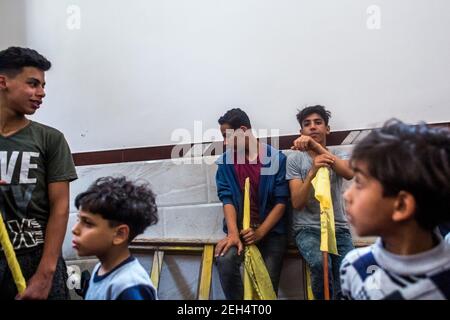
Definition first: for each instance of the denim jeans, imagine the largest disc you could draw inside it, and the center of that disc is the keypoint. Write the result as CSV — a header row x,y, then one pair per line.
x,y
272,248
308,243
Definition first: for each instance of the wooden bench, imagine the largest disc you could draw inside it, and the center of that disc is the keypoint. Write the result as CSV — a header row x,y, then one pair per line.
x,y
162,247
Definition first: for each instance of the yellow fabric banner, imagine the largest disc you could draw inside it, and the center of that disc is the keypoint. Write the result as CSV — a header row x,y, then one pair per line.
x,y
11,258
257,283
322,189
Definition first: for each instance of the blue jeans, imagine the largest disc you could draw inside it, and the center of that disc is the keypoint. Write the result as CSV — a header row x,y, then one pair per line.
x,y
308,243
272,248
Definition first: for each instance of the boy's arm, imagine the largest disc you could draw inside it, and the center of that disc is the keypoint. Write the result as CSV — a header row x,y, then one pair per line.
x,y
40,284
340,166
229,211
232,238
300,189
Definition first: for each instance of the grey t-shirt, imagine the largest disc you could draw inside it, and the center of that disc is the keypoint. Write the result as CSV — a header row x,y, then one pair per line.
x,y
297,167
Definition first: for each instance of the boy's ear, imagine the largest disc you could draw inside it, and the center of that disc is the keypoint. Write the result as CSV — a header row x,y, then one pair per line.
x,y
328,129
121,235
2,82
404,207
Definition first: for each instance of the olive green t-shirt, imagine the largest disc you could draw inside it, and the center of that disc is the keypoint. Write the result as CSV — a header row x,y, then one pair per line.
x,y
30,160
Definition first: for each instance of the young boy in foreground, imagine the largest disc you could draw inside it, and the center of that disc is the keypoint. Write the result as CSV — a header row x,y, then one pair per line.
x,y
113,211
401,194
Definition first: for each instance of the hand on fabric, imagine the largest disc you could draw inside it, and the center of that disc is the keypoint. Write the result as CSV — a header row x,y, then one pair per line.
x,y
251,236
38,287
323,160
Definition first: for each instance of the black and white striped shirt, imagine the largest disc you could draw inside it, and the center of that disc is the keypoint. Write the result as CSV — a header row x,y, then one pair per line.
x,y
374,273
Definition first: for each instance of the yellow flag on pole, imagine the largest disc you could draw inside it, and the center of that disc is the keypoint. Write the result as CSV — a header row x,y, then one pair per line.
x,y
257,283
322,189
11,258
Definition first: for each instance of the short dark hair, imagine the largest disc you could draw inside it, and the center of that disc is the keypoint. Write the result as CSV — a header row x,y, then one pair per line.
x,y
13,59
120,201
415,159
235,118
320,110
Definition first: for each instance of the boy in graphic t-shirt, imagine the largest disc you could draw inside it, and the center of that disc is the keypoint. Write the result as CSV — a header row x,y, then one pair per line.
x,y
36,167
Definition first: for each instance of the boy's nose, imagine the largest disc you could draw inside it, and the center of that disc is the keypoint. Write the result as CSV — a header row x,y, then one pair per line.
x,y
75,229
40,93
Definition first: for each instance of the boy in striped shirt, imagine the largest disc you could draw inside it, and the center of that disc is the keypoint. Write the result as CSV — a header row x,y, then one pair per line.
x,y
401,194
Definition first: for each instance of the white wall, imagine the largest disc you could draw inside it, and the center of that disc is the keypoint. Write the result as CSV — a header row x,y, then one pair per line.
x,y
136,70
12,23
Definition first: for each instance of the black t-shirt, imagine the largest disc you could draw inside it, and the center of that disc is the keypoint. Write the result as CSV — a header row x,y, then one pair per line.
x,y
30,159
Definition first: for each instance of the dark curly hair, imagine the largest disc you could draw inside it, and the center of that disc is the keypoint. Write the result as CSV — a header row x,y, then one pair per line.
x,y
13,59
235,118
412,158
120,201
320,110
